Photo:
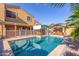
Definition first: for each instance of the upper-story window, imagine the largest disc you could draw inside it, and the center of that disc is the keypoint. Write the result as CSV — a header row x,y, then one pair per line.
x,y
28,18
10,14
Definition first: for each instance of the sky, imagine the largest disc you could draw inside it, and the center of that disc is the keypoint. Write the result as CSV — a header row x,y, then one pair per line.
x,y
45,14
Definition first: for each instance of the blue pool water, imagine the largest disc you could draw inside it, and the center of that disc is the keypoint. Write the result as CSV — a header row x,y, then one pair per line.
x,y
35,46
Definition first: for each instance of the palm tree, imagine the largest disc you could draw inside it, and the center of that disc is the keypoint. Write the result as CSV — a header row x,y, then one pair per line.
x,y
74,21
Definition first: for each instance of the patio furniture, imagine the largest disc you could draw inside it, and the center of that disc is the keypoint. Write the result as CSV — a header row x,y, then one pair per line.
x,y
68,53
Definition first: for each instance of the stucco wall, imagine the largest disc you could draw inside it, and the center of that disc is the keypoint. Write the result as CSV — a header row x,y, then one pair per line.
x,y
2,11
69,30
0,29
2,18
22,14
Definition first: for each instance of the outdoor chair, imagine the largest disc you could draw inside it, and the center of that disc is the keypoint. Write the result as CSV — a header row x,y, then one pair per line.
x,y
68,53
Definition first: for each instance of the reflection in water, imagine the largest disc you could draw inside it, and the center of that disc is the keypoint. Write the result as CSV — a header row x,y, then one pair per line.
x,y
37,46
38,52
35,52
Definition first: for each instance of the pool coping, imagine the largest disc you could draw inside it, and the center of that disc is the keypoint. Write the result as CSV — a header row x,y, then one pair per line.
x,y
57,36
58,51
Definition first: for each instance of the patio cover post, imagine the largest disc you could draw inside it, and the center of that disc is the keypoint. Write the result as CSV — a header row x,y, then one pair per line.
x,y
15,31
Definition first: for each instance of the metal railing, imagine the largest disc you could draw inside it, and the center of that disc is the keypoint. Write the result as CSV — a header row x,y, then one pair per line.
x,y
13,33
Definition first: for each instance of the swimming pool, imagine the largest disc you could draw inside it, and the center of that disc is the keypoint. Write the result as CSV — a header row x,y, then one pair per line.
x,y
35,46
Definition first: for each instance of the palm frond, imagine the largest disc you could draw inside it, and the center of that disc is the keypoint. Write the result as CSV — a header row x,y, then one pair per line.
x,y
74,6
74,16
75,34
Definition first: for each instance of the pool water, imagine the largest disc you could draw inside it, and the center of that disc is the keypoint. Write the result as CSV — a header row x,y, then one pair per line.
x,y
35,46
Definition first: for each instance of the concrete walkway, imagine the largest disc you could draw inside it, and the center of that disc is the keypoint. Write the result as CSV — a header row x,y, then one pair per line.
x,y
58,50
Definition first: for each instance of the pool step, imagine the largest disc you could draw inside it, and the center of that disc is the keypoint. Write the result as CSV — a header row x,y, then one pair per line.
x,y
25,47
18,49
22,46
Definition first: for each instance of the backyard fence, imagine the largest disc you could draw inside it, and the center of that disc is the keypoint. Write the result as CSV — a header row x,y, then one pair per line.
x,y
12,33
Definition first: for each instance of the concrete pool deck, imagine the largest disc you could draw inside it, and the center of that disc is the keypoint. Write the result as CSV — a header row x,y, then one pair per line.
x,y
9,52
57,36
58,50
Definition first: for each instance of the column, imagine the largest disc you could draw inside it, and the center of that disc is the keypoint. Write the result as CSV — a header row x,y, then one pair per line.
x,y
3,30
15,30
30,30
63,30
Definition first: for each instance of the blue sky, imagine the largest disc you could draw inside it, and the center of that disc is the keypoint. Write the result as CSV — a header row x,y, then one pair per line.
x,y
46,14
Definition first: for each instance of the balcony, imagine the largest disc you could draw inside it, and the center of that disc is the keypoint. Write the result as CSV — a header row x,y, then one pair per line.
x,y
11,14
15,20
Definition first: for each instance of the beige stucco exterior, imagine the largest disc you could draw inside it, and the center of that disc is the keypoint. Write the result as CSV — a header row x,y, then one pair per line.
x,y
62,30
17,23
2,12
0,29
69,30
22,14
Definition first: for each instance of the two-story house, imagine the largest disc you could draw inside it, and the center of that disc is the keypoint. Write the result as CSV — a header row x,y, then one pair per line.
x,y
13,19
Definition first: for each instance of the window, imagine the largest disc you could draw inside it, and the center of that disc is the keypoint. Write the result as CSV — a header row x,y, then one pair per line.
x,y
28,18
10,14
